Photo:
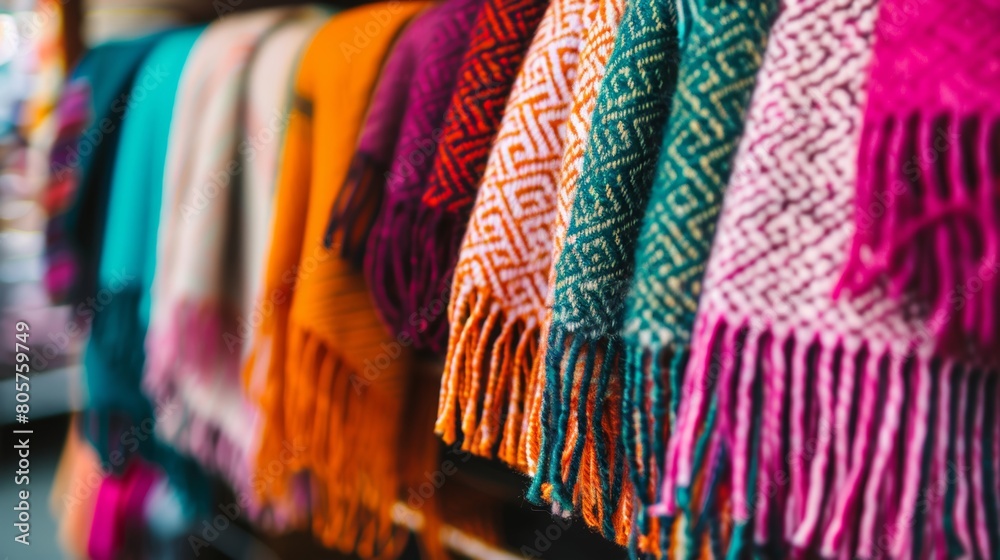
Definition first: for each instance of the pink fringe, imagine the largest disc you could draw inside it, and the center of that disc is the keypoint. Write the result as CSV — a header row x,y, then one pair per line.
x,y
834,482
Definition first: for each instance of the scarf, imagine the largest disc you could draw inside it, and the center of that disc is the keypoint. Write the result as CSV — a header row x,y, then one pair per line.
x,y
334,382
583,348
722,44
386,268
499,39
201,288
118,413
926,210
830,420
90,115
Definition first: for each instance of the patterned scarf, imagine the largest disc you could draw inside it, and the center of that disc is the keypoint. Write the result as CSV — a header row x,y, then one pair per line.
x,y
386,267
584,351
497,45
203,286
498,296
333,383
722,44
831,420
927,210
114,359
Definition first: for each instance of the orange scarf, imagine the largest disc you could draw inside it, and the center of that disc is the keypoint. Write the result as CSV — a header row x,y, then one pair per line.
x,y
329,380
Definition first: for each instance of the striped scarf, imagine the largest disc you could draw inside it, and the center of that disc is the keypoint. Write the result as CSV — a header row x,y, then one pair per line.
x,y
386,267
497,45
584,351
926,211
333,383
498,296
830,420
722,44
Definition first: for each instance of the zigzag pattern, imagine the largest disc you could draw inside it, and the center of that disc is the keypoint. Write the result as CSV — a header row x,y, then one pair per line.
x,y
505,257
499,41
387,265
595,268
721,55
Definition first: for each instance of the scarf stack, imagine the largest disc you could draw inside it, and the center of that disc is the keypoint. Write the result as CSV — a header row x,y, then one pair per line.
x,y
927,215
498,41
81,163
498,296
334,382
114,360
838,431
584,350
722,45
203,289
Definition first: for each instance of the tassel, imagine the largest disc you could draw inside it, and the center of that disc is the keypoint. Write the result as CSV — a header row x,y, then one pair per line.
x,y
356,207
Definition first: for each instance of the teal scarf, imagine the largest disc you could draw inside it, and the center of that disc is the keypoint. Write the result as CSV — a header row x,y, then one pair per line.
x,y
120,417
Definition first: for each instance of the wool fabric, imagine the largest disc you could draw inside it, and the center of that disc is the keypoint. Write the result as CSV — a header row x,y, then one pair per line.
x,y
334,380
595,262
722,44
386,267
498,295
827,418
926,212
114,359
202,282
498,42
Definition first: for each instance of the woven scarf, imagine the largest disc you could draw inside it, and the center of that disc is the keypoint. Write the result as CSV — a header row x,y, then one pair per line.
x,y
498,42
114,358
498,295
830,420
386,267
200,292
89,127
927,210
334,383
583,348
722,44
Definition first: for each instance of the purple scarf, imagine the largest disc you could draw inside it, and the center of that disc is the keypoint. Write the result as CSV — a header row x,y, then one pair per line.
x,y
443,34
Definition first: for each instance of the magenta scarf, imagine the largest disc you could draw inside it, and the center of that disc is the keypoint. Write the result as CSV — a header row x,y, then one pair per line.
x,y
444,34
928,207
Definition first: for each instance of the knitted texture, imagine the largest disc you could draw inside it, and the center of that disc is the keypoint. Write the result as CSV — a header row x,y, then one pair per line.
x,y
722,44
593,270
927,209
387,267
353,213
829,419
498,295
601,25
497,45
334,383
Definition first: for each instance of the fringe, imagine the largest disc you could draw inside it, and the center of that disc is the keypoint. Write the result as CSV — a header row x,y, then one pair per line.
x,y
837,447
315,399
435,242
580,426
928,219
356,207
485,401
388,263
